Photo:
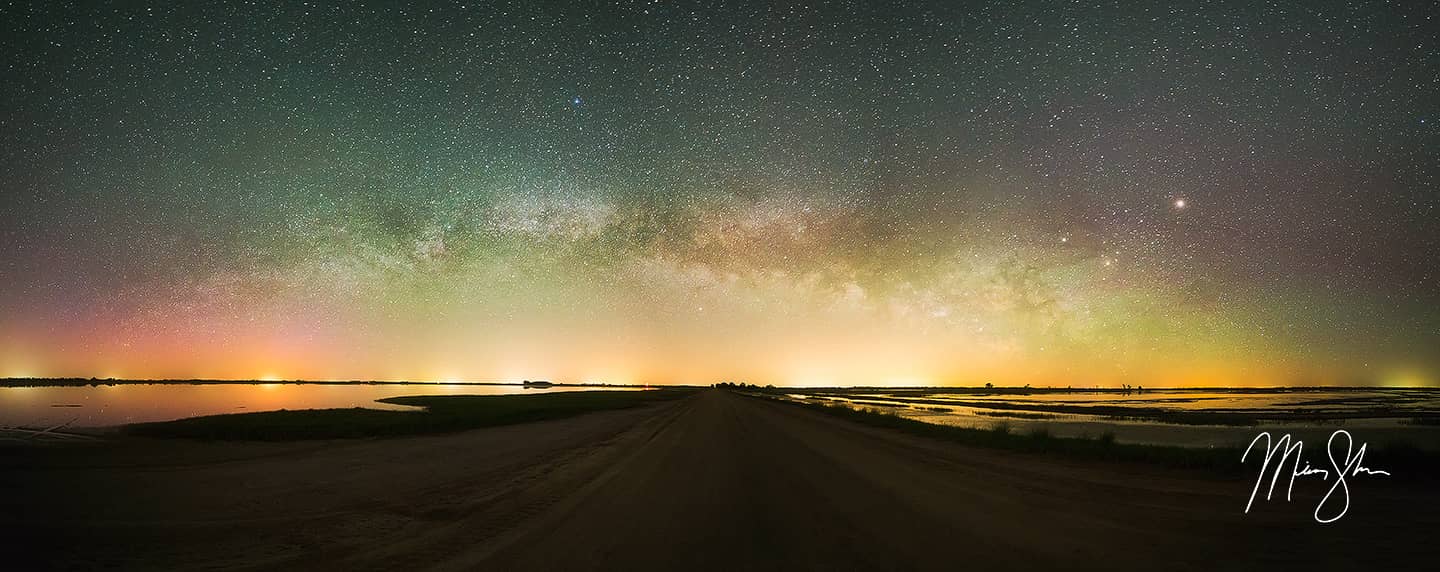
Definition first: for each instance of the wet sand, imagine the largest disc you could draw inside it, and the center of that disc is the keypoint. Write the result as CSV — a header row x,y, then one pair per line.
x,y
712,482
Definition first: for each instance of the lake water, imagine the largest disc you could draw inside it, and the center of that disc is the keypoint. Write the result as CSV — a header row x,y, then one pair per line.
x,y
106,405
1150,417
1375,416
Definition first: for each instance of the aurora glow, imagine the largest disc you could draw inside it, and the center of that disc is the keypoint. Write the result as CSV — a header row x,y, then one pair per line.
x,y
838,193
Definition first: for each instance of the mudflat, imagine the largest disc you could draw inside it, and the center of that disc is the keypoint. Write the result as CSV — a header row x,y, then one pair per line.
x,y
716,481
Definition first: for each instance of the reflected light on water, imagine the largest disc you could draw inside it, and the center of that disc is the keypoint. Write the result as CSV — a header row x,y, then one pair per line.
x,y
1215,418
103,405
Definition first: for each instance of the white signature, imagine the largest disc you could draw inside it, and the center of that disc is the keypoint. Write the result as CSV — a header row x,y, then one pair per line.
x,y
1285,446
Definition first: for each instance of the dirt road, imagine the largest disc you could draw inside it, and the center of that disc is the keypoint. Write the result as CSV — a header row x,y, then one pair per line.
x,y
712,482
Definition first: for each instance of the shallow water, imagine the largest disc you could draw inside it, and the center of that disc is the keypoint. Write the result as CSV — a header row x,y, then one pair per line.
x,y
1375,416
105,405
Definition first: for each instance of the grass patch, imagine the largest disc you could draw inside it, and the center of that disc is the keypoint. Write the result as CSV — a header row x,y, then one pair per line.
x,y
441,414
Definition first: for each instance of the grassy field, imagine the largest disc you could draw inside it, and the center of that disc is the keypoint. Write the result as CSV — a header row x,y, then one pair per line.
x,y
441,414
1411,461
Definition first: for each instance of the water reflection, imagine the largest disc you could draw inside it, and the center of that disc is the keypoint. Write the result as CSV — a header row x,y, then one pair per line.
x,y
1199,418
105,405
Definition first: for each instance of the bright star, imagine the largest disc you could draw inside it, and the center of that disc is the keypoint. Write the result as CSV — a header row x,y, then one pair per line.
x,y
1179,203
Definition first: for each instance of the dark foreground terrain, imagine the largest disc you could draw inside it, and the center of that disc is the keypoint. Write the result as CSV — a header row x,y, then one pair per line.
x,y
716,481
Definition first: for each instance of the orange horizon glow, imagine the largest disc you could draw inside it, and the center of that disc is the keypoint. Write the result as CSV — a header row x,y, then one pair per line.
x,y
846,373
1062,319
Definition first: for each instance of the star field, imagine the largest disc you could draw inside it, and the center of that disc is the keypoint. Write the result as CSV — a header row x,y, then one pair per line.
x,y
1235,193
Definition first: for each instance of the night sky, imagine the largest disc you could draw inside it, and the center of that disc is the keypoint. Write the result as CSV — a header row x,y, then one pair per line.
x,y
816,193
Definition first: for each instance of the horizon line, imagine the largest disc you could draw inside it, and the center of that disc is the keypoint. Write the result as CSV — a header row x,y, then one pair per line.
x,y
7,381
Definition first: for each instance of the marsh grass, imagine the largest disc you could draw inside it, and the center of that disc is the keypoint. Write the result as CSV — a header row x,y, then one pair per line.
x,y
1408,461
1017,414
439,414
1148,409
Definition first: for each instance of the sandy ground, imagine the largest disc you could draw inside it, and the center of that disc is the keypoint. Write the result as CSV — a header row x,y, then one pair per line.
x,y
712,482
